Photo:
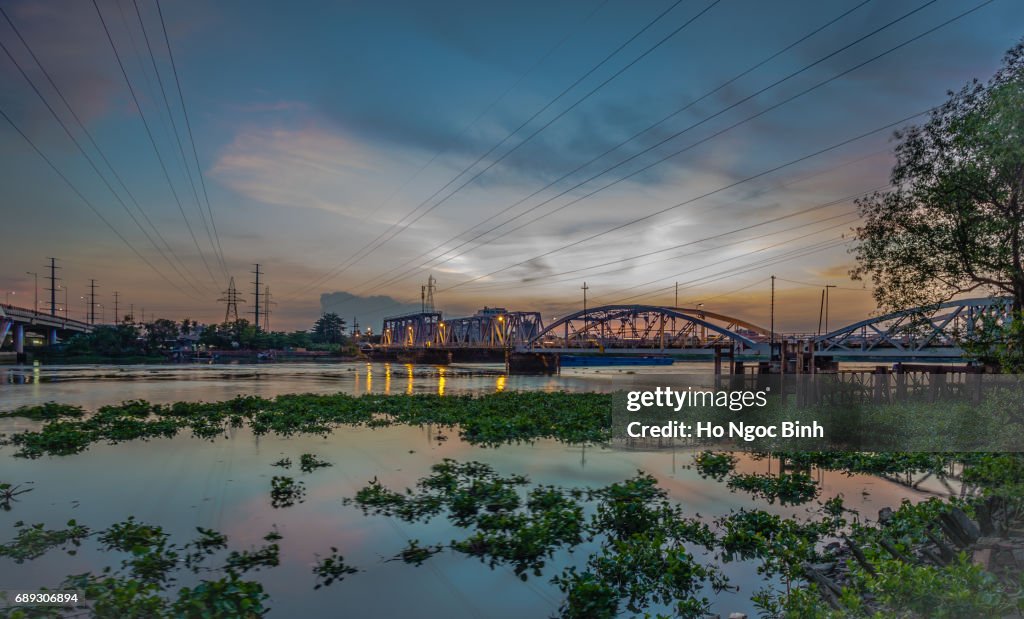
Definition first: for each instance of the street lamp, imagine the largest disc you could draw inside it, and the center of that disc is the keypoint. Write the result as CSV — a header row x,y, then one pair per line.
x,y
9,293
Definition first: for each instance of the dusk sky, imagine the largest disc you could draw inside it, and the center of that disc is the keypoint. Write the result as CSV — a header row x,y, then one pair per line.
x,y
337,143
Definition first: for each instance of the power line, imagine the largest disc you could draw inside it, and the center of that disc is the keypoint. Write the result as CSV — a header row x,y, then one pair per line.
x,y
548,278
520,127
726,129
694,199
89,204
188,127
152,140
85,154
597,158
177,137
739,256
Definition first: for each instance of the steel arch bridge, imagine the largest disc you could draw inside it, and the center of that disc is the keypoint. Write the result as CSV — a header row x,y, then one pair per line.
x,y
647,329
928,331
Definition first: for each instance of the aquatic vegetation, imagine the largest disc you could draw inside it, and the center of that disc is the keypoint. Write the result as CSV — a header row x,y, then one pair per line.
x,y
788,488
309,463
714,465
285,463
7,493
415,554
488,420
643,559
285,491
331,569
145,584
268,555
46,411
32,542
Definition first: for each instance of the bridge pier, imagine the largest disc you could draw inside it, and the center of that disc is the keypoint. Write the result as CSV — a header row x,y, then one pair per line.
x,y
533,363
19,342
5,328
51,338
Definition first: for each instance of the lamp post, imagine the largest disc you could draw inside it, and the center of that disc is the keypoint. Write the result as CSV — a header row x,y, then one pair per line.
x,y
35,308
8,295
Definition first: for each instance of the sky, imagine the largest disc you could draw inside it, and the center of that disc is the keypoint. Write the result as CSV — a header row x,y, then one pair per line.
x,y
513,151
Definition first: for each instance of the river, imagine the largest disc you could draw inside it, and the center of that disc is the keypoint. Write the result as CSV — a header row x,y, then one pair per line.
x,y
185,482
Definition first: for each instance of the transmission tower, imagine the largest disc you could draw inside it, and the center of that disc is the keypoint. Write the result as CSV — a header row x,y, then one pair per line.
x,y
232,299
256,296
266,308
427,295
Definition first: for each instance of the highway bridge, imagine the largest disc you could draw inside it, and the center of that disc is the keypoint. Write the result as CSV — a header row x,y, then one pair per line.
x,y
18,320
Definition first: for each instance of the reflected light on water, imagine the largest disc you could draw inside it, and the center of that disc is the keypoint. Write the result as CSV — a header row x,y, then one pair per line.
x,y
440,381
408,387
499,384
387,379
369,378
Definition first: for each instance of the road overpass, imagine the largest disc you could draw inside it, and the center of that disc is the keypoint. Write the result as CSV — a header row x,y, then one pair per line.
x,y
20,320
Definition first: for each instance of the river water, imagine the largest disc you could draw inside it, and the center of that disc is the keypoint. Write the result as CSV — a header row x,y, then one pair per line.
x,y
184,482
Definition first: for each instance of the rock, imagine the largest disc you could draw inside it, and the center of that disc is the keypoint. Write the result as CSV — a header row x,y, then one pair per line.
x,y
968,526
824,568
885,515
982,557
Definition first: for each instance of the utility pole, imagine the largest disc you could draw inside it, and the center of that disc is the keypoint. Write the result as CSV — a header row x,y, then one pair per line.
x,y
677,295
256,294
35,308
117,318
821,311
53,286
92,301
772,327
827,286
585,288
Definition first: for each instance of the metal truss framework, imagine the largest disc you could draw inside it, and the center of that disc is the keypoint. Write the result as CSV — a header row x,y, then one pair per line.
x,y
647,328
495,330
930,331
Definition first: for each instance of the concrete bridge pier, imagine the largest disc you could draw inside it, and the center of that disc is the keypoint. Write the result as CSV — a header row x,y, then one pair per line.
x,y
19,342
51,338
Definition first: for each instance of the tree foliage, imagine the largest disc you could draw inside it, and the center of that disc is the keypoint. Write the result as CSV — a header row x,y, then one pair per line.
x,y
953,222
329,329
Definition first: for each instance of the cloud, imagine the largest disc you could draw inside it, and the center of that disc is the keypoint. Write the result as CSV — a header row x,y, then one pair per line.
x,y
300,168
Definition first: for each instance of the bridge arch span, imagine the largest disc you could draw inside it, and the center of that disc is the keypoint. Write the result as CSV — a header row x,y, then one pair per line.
x,y
927,331
646,327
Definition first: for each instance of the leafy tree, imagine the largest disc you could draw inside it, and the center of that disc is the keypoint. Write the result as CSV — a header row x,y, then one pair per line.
x,y
236,334
108,341
161,331
953,223
299,339
329,329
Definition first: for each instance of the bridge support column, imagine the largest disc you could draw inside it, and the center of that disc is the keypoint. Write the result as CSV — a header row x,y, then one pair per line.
x,y
19,342
51,338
